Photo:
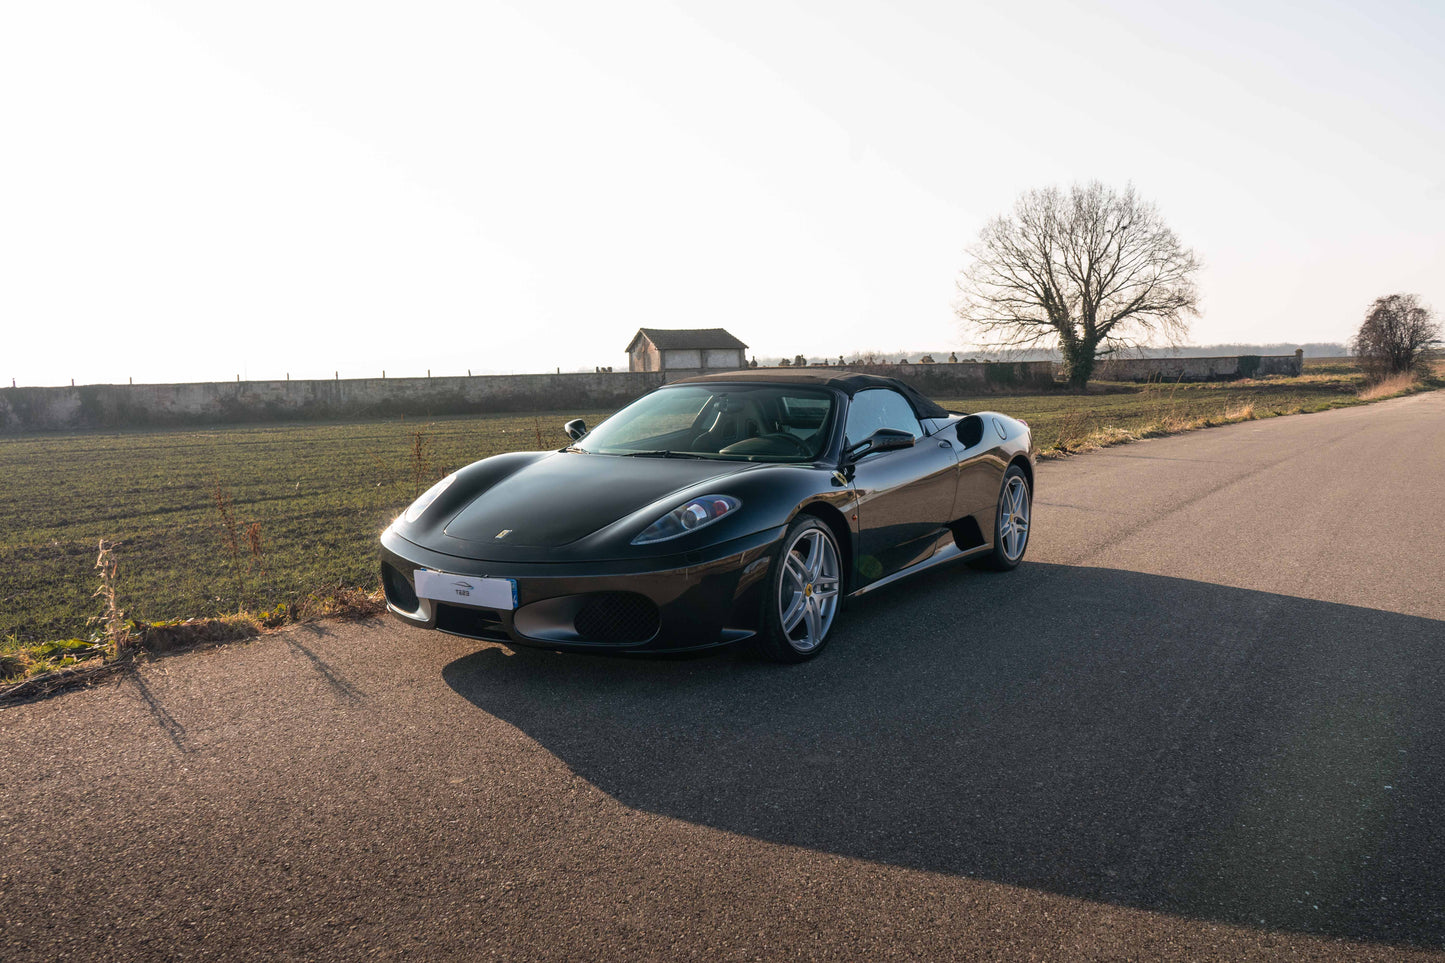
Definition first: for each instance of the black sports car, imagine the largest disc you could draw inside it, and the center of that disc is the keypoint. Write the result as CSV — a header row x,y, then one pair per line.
x,y
732,506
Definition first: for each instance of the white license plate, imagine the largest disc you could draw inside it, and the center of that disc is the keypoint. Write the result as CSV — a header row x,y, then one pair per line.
x,y
487,593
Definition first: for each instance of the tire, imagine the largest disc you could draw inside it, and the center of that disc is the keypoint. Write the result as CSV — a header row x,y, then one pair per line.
x,y
804,594
1011,524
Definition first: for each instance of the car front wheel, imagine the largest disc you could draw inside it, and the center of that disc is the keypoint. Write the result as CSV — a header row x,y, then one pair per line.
x,y
804,592
1011,525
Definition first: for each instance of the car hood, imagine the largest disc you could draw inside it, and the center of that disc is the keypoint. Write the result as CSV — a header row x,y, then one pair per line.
x,y
565,496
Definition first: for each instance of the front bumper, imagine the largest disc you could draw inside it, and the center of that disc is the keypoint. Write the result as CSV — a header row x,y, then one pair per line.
x,y
687,601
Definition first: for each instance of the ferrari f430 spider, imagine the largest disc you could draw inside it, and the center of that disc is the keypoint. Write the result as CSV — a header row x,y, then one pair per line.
x,y
729,507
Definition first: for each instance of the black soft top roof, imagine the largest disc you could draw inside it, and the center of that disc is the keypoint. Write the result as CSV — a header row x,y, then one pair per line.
x,y
850,384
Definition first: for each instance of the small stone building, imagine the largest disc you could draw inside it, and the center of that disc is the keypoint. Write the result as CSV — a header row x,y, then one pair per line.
x,y
671,349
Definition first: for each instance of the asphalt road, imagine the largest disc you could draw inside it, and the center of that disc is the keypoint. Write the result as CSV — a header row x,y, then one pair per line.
x,y
1206,719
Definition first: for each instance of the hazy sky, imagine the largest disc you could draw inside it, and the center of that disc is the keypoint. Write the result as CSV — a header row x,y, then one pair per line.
x,y
190,190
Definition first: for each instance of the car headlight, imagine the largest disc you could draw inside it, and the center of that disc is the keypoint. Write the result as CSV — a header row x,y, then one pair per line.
x,y
427,497
698,513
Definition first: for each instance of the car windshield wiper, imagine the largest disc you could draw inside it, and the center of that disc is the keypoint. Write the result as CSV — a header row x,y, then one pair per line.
x,y
658,453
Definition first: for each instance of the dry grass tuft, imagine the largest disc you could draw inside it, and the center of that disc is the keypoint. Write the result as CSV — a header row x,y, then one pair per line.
x,y
333,602
253,542
115,634
1075,434
1110,435
1244,412
421,467
340,602
230,536
42,667
52,681
1074,431
14,664
230,530
1390,387
184,633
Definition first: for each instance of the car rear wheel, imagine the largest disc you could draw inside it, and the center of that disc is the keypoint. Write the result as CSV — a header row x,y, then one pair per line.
x,y
804,591
1011,525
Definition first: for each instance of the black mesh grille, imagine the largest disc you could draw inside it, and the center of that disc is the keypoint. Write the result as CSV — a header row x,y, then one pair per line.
x,y
398,590
473,623
617,617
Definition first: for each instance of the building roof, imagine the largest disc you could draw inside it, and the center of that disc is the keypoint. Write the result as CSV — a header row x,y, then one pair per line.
x,y
673,339
849,384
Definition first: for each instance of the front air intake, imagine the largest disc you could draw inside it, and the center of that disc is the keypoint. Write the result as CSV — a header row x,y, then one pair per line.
x,y
617,618
398,590
483,624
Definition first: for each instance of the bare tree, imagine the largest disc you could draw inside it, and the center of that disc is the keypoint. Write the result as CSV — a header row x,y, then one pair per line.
x,y
1397,332
1093,270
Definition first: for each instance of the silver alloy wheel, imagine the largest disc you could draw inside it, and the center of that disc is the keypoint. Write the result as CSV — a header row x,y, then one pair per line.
x,y
808,589
1013,518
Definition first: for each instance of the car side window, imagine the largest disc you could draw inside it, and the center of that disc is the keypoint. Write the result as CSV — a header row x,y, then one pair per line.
x,y
879,408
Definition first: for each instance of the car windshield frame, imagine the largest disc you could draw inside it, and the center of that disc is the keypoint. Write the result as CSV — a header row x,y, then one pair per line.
x,y
727,421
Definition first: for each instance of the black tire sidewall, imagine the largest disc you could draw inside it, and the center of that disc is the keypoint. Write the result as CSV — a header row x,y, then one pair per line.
x,y
772,639
997,560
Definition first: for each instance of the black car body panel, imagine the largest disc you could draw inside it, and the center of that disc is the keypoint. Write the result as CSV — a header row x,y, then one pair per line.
x,y
564,526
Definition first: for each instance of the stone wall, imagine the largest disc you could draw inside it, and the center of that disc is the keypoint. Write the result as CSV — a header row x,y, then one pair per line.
x,y
117,406
1199,369
125,406
952,379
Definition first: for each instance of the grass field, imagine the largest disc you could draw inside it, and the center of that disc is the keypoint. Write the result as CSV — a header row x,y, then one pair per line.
x,y
209,521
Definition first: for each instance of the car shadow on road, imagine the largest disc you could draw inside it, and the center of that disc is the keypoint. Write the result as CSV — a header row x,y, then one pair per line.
x,y
1143,741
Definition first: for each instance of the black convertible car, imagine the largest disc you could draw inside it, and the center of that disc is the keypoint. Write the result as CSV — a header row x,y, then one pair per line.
x,y
732,506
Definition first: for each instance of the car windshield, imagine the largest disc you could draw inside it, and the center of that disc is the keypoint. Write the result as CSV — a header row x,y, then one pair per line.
x,y
730,421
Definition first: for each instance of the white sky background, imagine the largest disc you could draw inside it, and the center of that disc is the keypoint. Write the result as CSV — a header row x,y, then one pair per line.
x,y
192,190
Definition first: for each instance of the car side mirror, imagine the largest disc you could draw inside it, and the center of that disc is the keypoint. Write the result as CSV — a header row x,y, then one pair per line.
x,y
575,428
884,439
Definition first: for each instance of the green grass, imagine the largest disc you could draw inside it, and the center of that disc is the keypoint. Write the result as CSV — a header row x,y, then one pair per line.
x,y
320,494
17,661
